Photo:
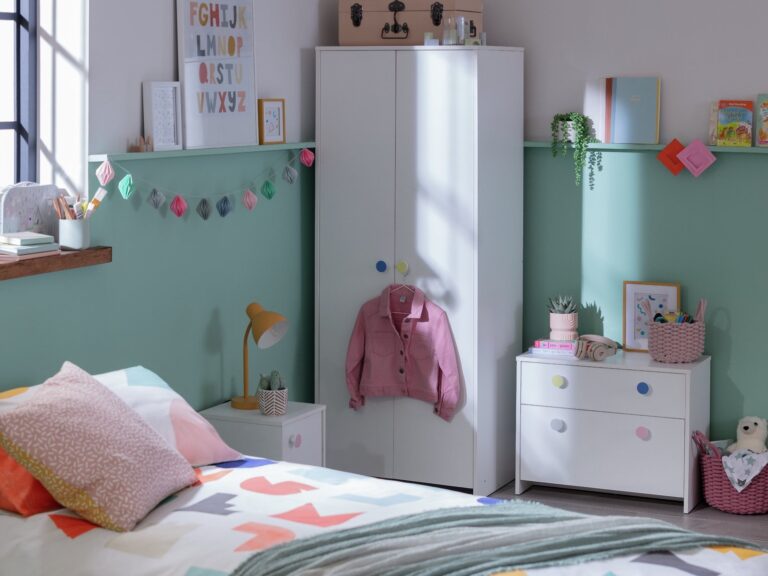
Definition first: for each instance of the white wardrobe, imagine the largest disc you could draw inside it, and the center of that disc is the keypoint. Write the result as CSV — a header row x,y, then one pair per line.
x,y
420,162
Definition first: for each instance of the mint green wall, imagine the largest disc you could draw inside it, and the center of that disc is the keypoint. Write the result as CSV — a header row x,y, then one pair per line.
x,y
174,297
642,223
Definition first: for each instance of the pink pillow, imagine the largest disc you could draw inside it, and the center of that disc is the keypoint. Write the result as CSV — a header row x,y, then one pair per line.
x,y
91,451
169,415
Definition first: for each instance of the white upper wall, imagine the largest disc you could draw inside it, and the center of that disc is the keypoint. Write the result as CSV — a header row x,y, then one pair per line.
x,y
135,41
700,54
703,50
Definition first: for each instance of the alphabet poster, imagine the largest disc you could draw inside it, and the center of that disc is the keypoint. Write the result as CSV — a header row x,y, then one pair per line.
x,y
217,71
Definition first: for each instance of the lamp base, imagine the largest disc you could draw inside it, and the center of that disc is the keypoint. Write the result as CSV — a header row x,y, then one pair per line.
x,y
245,403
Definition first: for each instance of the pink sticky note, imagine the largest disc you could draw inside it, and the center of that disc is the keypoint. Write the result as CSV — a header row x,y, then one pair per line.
x,y
696,157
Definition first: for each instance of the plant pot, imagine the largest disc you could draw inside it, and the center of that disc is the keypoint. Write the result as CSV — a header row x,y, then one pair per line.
x,y
563,326
273,402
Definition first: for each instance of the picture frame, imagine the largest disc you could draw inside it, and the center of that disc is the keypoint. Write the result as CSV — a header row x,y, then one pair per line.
x,y
217,70
271,120
663,297
162,115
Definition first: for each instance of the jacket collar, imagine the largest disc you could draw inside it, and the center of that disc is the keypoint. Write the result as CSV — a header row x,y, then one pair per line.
x,y
417,304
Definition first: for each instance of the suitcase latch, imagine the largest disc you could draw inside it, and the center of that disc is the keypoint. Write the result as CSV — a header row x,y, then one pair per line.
x,y
401,31
357,15
437,13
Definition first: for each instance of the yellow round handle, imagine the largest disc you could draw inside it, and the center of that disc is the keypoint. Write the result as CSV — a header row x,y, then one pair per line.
x,y
402,267
559,381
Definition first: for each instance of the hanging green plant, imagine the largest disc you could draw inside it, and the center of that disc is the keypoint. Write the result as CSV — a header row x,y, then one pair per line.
x,y
576,129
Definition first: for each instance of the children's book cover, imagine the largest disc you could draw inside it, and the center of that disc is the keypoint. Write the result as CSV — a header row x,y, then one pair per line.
x,y
762,120
734,123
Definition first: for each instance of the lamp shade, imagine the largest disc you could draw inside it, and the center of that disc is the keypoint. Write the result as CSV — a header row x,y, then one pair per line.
x,y
268,328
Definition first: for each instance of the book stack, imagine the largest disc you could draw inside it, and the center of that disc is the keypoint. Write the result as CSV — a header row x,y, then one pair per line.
x,y
554,347
22,245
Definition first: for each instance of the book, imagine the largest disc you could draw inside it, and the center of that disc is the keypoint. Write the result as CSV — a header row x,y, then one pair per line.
x,y
556,344
551,351
712,138
25,238
734,123
632,110
761,120
31,249
6,257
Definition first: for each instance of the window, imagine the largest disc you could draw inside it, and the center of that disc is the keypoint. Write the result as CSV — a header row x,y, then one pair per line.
x,y
18,91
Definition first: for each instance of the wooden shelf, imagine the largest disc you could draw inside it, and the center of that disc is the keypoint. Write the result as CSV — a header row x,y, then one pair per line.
x,y
652,147
195,152
55,262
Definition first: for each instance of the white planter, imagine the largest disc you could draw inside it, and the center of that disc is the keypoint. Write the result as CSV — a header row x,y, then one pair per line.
x,y
563,326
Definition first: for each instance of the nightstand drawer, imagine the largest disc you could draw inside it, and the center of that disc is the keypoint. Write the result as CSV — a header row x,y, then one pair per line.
x,y
302,442
627,453
624,391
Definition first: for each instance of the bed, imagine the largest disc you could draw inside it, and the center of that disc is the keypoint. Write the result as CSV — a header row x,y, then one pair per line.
x,y
250,516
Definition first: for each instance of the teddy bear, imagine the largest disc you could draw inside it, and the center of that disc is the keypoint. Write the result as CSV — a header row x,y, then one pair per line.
x,y
751,434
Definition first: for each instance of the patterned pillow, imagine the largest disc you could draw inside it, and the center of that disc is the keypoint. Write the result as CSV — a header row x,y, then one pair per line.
x,y
169,414
91,451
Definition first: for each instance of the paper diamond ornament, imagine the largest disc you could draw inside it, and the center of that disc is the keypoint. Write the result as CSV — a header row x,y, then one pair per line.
x,y
668,156
696,157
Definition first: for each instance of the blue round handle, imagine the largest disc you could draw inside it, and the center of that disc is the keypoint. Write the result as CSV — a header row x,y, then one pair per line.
x,y
381,266
643,388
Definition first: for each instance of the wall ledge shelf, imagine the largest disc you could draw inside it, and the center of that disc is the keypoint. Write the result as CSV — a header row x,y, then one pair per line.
x,y
652,147
196,152
55,262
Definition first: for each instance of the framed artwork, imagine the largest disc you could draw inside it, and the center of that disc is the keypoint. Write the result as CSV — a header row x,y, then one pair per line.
x,y
662,298
162,114
218,73
271,121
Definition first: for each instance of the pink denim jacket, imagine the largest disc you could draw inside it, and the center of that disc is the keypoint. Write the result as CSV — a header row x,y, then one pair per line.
x,y
402,346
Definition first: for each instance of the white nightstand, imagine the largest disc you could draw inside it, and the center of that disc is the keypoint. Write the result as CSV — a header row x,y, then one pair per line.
x,y
621,425
298,436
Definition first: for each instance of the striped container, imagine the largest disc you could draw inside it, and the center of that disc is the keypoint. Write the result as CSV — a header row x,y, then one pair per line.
x,y
273,402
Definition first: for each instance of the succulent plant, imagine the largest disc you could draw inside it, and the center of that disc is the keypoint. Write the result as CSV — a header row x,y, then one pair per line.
x,y
264,382
562,305
272,382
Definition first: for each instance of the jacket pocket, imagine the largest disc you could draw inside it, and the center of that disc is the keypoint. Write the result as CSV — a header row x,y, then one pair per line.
x,y
383,343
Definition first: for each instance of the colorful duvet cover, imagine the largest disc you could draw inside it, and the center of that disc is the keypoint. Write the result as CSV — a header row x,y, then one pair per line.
x,y
245,507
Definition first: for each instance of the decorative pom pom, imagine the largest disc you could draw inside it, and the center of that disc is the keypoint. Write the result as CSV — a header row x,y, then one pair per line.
x,y
290,174
250,200
224,206
307,157
126,187
268,190
204,209
105,173
178,205
156,198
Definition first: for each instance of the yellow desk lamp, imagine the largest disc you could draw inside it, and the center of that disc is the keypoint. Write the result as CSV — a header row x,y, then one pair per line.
x,y
268,329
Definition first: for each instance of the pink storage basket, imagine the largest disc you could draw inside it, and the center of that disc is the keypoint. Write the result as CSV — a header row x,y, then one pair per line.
x,y
718,490
676,343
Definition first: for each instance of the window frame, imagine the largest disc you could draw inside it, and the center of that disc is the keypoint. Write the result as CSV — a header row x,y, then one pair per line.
x,y
24,125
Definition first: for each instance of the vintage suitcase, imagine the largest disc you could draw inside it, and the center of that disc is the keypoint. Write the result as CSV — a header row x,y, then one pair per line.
x,y
403,23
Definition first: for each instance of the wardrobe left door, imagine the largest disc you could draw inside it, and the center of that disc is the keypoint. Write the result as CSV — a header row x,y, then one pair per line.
x,y
355,231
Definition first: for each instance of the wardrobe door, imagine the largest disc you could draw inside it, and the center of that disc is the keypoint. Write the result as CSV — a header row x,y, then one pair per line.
x,y
435,235
355,208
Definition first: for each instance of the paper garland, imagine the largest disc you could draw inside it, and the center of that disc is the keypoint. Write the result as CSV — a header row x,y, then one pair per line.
x,y
105,173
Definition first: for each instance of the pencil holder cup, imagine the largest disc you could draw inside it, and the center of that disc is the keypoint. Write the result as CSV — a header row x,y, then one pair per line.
x,y
75,234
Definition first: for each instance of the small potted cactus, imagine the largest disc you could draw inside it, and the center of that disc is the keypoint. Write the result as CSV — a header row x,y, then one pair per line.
x,y
563,318
273,395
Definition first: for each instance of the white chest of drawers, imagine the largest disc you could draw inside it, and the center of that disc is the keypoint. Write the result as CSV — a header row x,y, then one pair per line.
x,y
622,425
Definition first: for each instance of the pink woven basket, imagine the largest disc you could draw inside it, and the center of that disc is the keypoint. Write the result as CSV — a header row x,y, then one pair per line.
x,y
676,343
718,490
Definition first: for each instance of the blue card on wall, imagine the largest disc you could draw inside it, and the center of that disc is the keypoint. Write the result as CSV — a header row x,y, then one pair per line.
x,y
632,107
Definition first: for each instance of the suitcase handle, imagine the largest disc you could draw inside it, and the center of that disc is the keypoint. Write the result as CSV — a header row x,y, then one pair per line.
x,y
395,28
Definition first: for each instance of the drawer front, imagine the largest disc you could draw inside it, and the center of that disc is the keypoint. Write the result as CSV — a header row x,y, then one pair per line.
x,y
303,440
250,439
603,389
627,453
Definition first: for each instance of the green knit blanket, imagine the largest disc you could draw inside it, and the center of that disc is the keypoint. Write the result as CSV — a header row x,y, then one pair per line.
x,y
475,540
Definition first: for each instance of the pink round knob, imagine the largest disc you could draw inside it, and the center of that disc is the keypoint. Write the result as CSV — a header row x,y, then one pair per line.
x,y
295,440
643,433
298,441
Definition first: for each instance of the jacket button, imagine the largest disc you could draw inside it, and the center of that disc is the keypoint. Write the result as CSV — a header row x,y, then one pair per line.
x,y
407,319
402,371
401,352
405,335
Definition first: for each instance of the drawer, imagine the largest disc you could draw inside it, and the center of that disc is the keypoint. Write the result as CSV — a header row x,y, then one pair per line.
x,y
620,452
603,389
303,440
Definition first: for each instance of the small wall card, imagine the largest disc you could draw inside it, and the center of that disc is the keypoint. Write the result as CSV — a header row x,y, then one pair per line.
x,y
162,114
271,121
218,73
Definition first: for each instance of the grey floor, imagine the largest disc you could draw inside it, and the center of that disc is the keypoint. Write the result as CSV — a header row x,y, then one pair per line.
x,y
702,519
